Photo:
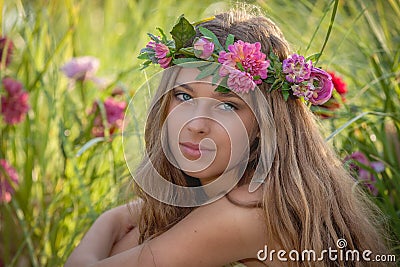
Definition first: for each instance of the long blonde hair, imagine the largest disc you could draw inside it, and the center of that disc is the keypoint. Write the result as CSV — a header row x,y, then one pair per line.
x,y
309,199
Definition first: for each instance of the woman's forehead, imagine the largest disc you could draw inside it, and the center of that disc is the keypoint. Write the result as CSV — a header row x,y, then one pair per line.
x,y
188,75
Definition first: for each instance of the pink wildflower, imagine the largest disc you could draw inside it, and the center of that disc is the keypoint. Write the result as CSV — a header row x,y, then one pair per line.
x,y
249,56
240,82
114,115
203,47
6,43
81,68
296,68
8,179
365,175
161,53
14,105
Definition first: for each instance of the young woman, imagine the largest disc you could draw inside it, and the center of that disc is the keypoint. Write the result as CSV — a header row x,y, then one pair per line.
x,y
268,180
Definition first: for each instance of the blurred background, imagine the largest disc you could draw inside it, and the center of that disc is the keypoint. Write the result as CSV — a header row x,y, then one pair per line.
x,y
69,68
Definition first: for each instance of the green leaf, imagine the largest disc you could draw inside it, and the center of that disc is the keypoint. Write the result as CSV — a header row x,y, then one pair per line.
x,y
333,15
153,37
207,71
240,66
223,86
229,40
164,37
201,68
270,79
182,60
143,56
273,57
210,34
285,86
285,95
216,76
89,144
222,89
182,32
277,83
313,57
145,64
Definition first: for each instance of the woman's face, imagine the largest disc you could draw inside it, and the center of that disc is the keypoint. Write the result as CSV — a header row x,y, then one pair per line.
x,y
208,132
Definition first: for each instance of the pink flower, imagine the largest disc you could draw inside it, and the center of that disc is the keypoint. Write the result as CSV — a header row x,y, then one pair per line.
x,y
8,179
365,175
303,90
115,111
161,52
322,86
14,105
247,56
81,68
296,68
240,82
203,47
6,43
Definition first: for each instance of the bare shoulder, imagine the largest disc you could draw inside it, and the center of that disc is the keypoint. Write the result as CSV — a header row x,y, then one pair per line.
x,y
211,235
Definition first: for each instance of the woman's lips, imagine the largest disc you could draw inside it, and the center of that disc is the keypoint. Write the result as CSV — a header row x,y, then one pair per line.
x,y
193,150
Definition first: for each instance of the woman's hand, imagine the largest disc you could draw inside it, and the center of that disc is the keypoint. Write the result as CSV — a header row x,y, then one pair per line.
x,y
111,227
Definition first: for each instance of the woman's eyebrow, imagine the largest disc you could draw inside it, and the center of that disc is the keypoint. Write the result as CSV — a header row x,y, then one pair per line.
x,y
184,85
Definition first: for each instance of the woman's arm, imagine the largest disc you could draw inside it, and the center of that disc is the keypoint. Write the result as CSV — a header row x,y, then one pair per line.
x,y
211,235
108,229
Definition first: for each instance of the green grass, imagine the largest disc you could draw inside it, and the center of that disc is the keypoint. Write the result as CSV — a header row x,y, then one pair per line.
x,y
65,185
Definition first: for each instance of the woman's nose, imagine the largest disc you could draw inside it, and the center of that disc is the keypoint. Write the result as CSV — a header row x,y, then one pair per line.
x,y
199,125
201,116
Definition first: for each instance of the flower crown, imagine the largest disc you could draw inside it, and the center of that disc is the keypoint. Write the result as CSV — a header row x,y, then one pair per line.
x,y
242,65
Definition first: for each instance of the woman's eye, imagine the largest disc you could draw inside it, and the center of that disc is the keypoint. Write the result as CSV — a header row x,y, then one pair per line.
x,y
227,106
183,96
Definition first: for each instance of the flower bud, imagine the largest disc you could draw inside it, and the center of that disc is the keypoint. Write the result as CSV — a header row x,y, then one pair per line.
x,y
203,47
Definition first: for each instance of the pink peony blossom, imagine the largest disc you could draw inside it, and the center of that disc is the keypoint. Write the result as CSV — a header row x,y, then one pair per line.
x,y
365,175
249,56
81,68
115,111
8,179
6,43
240,82
296,68
161,53
14,105
322,86
203,47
